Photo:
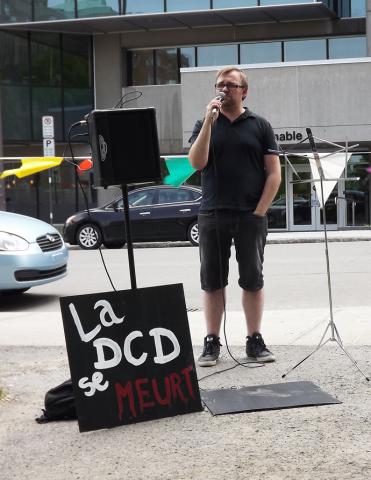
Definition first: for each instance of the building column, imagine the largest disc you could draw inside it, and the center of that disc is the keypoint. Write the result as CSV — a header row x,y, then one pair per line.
x,y
107,70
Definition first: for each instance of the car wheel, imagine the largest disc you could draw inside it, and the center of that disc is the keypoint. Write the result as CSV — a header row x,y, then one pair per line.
x,y
113,244
17,291
193,233
89,237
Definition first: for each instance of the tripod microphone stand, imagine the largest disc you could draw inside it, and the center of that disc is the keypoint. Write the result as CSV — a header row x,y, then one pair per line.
x,y
331,326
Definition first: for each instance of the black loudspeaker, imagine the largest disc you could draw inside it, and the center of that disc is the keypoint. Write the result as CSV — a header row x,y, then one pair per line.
x,y
125,147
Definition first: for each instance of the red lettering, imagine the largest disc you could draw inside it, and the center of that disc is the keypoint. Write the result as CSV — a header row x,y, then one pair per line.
x,y
167,399
142,394
175,382
121,393
185,372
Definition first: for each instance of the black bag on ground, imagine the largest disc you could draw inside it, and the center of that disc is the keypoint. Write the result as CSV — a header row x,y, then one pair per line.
x,y
59,404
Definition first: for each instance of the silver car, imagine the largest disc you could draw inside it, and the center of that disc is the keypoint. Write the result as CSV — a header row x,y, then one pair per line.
x,y
32,253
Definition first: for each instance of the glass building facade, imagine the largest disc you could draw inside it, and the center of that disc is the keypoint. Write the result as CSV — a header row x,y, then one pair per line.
x,y
43,74
43,10
52,74
142,64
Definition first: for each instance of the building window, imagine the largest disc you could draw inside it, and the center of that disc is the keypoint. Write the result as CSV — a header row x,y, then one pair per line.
x,y
217,55
233,3
15,110
57,82
282,2
263,52
167,70
53,10
11,11
149,67
136,7
14,59
301,50
142,67
358,8
357,193
187,57
185,5
46,67
101,8
347,47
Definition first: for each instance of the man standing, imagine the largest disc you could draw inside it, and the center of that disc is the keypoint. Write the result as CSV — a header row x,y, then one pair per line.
x,y
240,178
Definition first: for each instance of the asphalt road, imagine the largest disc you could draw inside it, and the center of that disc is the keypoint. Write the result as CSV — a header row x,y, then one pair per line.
x,y
295,276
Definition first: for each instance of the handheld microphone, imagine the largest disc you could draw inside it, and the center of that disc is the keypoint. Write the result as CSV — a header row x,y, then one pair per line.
x,y
220,97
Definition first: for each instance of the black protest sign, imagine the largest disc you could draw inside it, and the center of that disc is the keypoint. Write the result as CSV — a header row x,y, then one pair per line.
x,y
130,356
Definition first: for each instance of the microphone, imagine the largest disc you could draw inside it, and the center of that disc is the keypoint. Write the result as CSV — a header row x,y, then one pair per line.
x,y
220,97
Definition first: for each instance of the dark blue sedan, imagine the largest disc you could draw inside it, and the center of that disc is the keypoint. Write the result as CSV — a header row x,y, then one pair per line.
x,y
157,213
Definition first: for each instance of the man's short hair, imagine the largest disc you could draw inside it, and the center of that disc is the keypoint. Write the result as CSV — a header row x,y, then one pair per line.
x,y
225,70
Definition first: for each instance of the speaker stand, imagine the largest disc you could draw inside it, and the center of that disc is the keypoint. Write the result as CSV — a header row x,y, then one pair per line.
x,y
129,241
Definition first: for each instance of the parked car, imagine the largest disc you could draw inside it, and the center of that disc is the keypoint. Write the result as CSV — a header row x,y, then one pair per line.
x,y
157,213
32,253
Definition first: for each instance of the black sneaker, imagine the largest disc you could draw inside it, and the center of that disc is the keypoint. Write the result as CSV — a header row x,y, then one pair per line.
x,y
256,349
211,351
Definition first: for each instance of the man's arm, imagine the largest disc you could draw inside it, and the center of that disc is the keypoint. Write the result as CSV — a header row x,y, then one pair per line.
x,y
272,183
199,152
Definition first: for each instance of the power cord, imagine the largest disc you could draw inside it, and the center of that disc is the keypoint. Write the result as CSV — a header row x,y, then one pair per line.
x,y
119,104
84,193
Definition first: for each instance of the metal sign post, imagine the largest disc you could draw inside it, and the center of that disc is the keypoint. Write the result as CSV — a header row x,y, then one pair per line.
x,y
49,151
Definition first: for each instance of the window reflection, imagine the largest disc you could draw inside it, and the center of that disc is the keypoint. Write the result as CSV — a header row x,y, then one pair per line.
x,y
47,101
185,5
347,47
217,55
142,67
296,50
45,59
358,8
167,66
281,2
260,52
11,11
77,102
14,61
234,3
77,68
356,193
53,9
15,111
143,6
187,57
277,213
98,9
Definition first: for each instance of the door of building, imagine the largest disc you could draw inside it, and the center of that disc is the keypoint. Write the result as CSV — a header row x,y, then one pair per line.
x,y
304,212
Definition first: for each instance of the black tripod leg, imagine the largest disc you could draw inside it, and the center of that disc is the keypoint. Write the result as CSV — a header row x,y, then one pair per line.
x,y
320,345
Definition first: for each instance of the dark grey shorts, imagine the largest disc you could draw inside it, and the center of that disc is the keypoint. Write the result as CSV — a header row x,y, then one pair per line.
x,y
217,230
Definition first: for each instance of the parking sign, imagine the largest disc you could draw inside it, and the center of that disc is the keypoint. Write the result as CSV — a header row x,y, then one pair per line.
x,y
48,126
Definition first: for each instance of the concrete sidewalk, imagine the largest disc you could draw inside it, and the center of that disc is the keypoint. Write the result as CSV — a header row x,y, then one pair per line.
x,y
286,327
354,235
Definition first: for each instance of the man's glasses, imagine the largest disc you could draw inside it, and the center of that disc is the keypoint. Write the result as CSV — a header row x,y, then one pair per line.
x,y
230,86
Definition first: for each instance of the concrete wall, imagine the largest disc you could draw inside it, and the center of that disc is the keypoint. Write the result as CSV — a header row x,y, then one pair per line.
x,y
167,101
332,97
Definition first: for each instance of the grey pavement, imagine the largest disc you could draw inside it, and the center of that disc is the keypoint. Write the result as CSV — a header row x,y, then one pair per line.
x,y
323,442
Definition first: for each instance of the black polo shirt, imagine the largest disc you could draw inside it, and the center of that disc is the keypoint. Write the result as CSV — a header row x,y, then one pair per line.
x,y
234,177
